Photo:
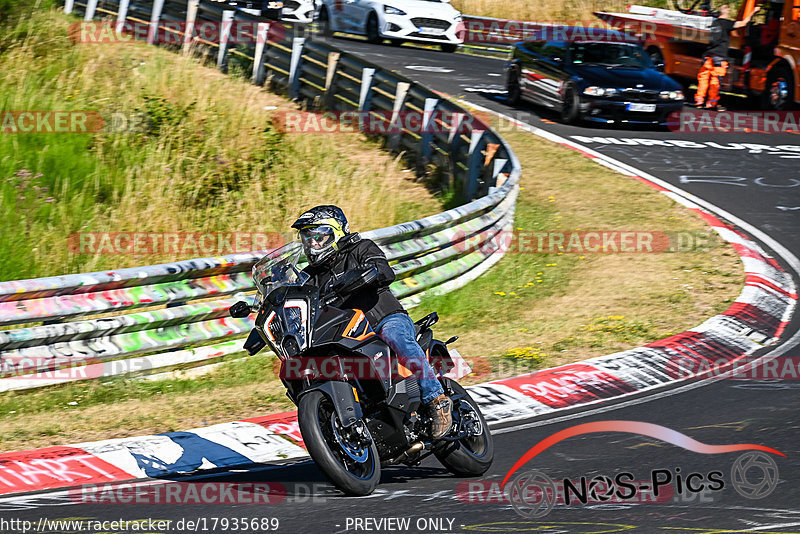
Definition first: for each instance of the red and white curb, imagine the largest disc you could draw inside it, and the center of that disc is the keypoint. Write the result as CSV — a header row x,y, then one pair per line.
x,y
756,319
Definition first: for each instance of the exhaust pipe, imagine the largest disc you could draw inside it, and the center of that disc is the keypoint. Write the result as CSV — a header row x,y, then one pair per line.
x,y
415,448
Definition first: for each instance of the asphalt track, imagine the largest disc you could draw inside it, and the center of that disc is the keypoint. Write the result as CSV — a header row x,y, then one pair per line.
x,y
759,185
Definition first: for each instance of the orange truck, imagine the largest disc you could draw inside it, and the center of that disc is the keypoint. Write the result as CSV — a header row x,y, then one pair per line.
x,y
764,56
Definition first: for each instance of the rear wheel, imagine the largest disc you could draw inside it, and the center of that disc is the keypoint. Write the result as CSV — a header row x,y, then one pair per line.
x,y
779,94
473,454
373,35
346,459
324,21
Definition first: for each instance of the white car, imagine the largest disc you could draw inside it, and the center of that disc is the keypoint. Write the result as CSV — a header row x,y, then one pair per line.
x,y
426,21
299,11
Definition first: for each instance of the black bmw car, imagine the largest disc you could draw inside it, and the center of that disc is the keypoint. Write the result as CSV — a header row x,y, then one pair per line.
x,y
607,78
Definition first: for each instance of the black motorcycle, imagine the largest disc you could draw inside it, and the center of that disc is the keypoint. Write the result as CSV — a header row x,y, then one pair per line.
x,y
358,407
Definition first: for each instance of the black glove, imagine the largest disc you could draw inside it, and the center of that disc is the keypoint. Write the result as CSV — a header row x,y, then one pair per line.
x,y
355,279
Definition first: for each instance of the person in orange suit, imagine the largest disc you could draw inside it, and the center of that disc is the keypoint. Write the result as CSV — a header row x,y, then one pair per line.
x,y
715,58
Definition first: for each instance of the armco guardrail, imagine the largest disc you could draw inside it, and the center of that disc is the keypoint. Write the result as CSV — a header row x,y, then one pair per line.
x,y
66,318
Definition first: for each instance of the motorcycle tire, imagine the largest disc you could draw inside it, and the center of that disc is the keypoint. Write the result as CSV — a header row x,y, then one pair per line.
x,y
316,417
470,456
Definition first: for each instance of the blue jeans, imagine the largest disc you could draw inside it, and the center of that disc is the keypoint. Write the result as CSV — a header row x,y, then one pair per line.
x,y
397,330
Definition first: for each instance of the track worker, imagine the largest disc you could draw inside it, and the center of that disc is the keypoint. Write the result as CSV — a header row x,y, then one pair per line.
x,y
715,58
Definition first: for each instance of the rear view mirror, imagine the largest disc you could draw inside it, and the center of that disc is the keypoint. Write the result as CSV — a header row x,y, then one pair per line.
x,y
240,310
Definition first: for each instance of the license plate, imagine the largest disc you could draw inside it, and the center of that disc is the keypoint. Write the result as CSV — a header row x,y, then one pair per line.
x,y
431,31
633,106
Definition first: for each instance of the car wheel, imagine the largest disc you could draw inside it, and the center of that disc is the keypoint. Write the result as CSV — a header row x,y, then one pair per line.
x,y
448,47
779,93
396,42
373,36
514,91
570,110
324,21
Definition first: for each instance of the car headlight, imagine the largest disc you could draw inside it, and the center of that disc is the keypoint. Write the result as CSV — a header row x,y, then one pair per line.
x,y
593,90
671,95
389,10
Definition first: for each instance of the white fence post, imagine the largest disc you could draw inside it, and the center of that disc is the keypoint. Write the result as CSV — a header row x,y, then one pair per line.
x,y
367,74
295,66
333,64
454,142
91,7
69,6
261,46
224,37
474,164
191,19
425,149
399,100
455,127
122,14
155,17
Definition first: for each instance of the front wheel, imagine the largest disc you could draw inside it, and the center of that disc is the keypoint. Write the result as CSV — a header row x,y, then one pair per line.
x,y
471,455
373,35
348,459
514,91
448,47
570,111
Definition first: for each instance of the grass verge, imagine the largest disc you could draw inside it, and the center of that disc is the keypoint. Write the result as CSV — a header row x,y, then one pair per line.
x,y
204,155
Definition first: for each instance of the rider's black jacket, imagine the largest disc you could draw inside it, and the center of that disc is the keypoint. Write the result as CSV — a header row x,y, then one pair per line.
x,y
375,300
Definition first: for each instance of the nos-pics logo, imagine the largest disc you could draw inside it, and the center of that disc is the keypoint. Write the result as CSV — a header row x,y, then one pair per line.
x,y
533,494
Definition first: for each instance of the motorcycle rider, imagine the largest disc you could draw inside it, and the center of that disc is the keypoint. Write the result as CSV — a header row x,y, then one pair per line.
x,y
334,256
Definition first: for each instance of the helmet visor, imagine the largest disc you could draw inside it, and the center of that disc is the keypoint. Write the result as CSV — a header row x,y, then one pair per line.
x,y
317,238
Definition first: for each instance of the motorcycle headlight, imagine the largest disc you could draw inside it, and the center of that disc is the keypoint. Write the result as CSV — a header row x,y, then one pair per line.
x,y
671,95
389,10
296,320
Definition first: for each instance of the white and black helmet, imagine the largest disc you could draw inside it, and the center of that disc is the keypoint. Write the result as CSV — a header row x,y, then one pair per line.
x,y
320,230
